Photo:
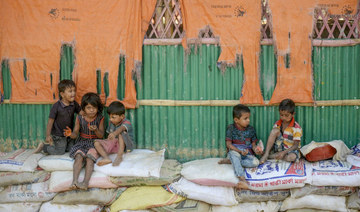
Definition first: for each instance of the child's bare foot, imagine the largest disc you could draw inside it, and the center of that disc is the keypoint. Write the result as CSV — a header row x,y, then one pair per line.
x,y
224,161
263,159
103,162
83,186
117,161
242,184
39,148
73,186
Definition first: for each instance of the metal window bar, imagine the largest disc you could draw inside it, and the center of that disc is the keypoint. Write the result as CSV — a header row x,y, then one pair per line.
x,y
266,20
329,26
166,21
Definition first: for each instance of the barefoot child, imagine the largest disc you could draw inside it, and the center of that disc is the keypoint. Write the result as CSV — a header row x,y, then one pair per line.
x,y
120,136
241,141
61,117
90,125
284,138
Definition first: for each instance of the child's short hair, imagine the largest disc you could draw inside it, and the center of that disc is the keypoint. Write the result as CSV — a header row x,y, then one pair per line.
x,y
239,109
63,84
117,108
287,105
92,99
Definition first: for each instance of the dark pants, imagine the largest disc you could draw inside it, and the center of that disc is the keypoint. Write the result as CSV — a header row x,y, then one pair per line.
x,y
61,144
129,143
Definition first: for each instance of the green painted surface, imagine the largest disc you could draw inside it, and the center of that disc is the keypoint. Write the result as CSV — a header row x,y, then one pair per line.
x,y
268,71
165,76
336,72
121,78
199,131
66,62
6,80
22,126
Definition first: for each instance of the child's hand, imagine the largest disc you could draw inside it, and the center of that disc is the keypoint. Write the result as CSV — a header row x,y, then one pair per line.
x,y
280,155
111,136
257,150
92,127
67,132
49,140
244,152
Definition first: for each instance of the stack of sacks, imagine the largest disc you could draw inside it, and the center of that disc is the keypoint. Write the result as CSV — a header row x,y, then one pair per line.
x,y
354,157
102,191
270,183
145,171
139,166
22,181
61,168
206,180
332,182
24,187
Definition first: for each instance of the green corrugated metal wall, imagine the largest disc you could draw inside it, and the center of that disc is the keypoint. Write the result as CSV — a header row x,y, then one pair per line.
x,y
22,126
336,72
192,132
164,75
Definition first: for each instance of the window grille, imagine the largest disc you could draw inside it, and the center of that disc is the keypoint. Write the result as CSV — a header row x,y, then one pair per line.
x,y
266,27
166,21
329,26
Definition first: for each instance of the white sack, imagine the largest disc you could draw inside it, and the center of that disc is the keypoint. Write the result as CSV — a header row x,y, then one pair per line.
x,y
353,160
21,206
322,190
169,172
61,180
354,201
322,202
36,192
139,162
21,160
15,178
335,173
243,195
341,149
215,195
277,175
57,162
269,206
92,196
49,207
188,205
208,172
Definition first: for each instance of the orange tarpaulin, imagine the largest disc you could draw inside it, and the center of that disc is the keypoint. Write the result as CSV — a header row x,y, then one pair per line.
x,y
237,23
100,31
292,23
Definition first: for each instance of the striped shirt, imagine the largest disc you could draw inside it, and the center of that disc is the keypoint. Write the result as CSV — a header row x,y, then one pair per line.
x,y
292,133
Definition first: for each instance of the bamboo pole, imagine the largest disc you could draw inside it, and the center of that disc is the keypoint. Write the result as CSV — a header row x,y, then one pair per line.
x,y
215,41
218,103
161,102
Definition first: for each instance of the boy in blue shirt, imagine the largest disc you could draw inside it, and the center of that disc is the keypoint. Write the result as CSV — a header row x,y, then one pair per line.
x,y
241,142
